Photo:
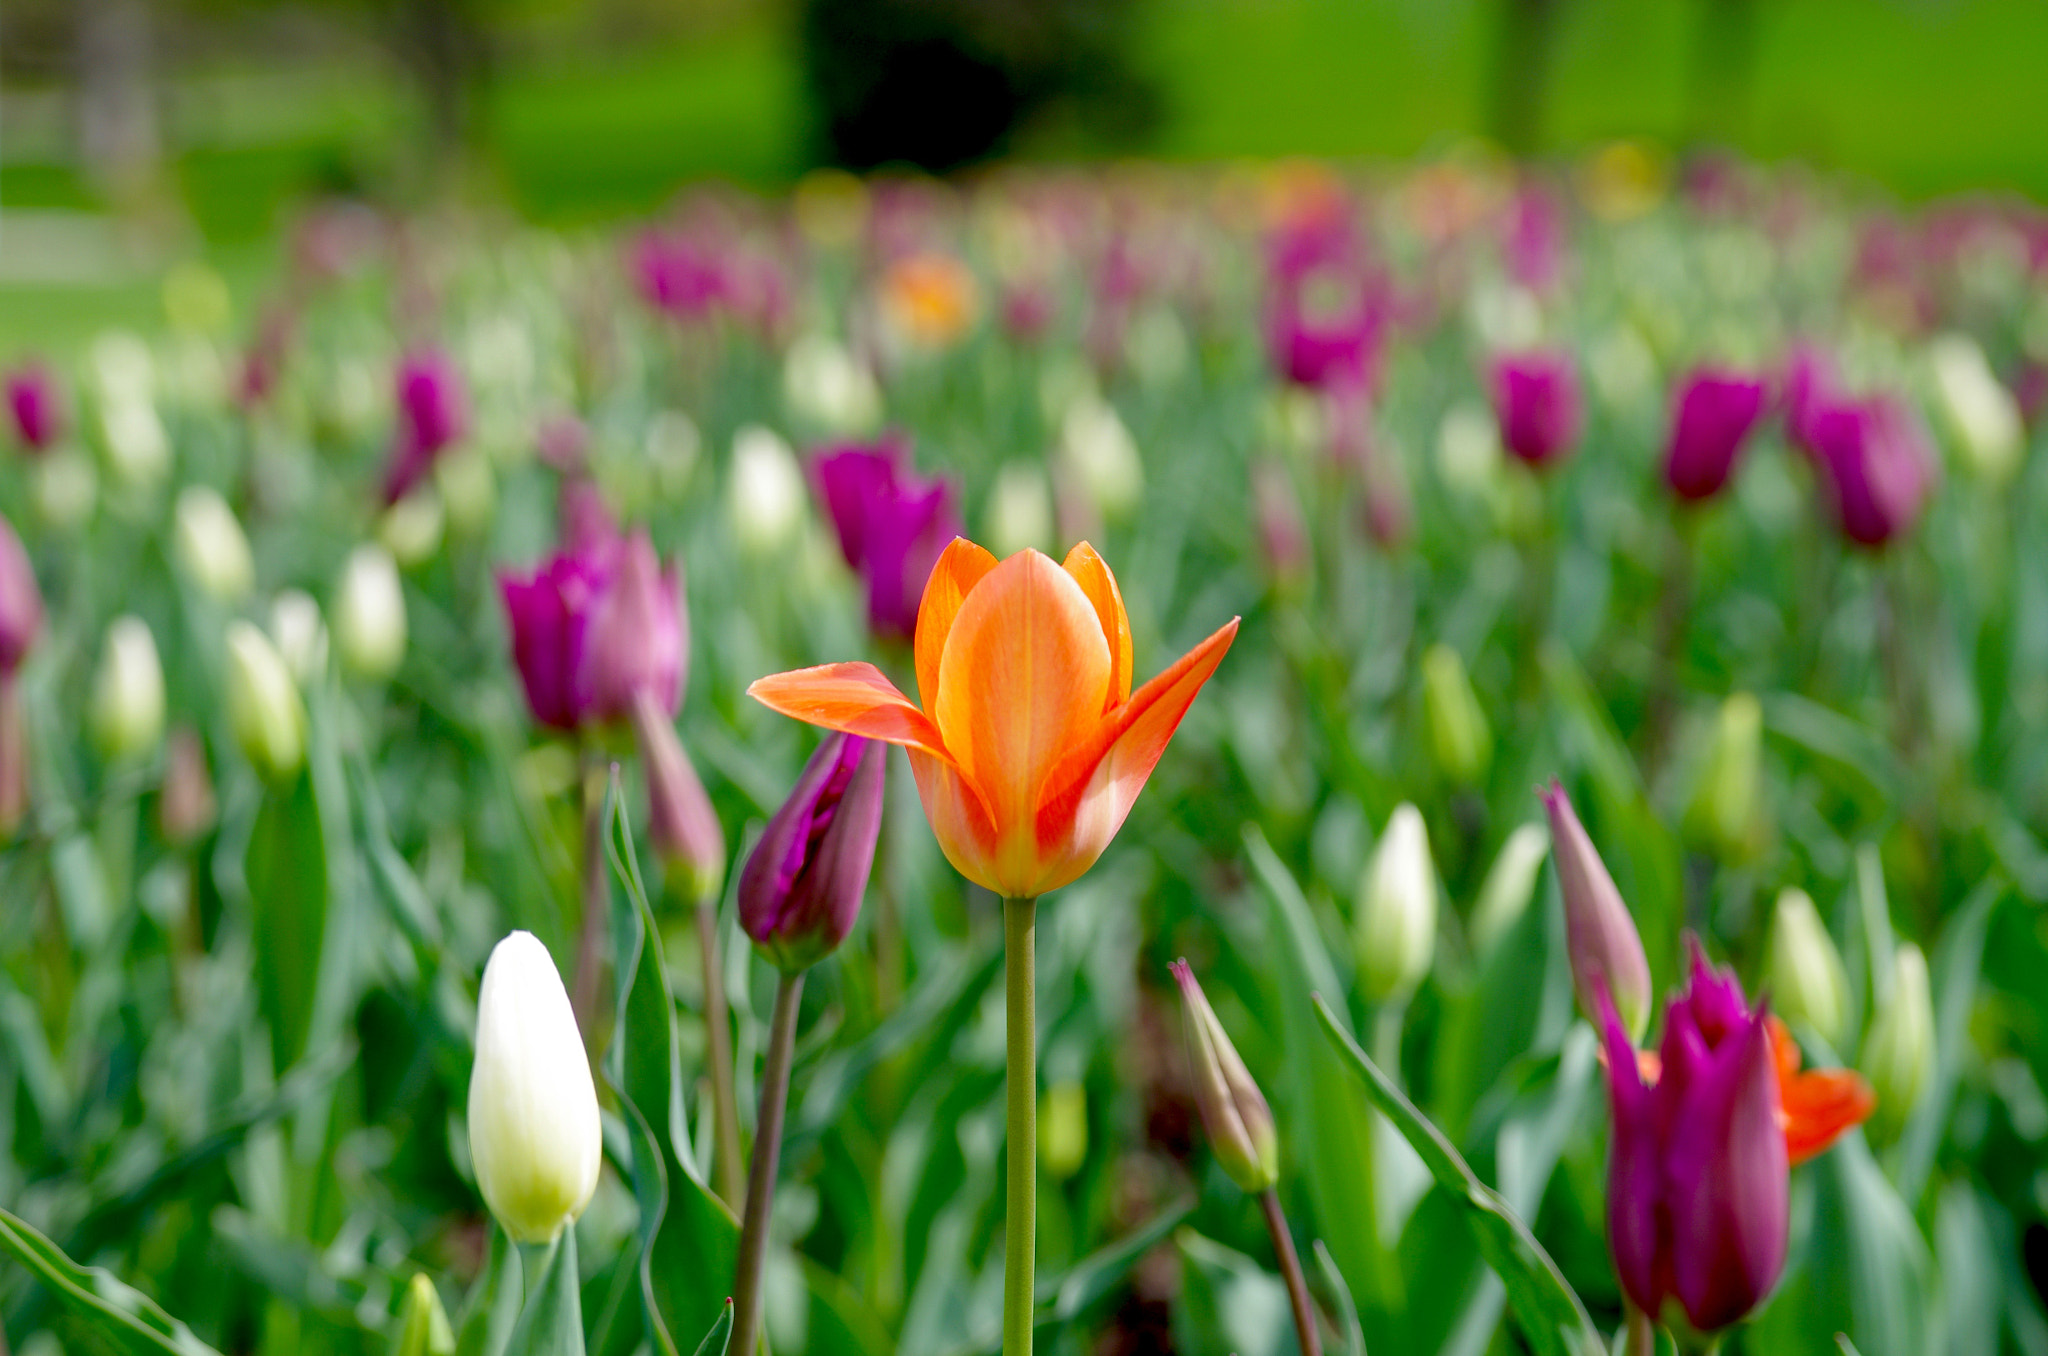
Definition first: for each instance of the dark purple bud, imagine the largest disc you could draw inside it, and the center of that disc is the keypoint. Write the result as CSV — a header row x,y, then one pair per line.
x,y
637,642
1809,387
21,601
678,278
433,414
1876,464
1534,247
892,525
801,890
32,400
1698,1187
1712,417
1536,400
549,612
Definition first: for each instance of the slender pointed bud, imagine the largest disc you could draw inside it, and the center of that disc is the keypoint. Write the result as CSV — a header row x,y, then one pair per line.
x,y
32,400
127,716
264,710
1536,400
1099,448
1898,1054
1982,415
1724,810
1808,983
1459,736
211,546
369,614
1395,930
423,1328
1606,950
185,806
1063,1129
801,890
21,601
681,825
637,641
1234,1111
534,1135
767,491
301,635
1509,886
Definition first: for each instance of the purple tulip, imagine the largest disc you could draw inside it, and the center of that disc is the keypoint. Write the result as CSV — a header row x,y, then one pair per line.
x,y
1809,386
1698,1186
801,890
679,278
21,602
1536,400
1328,312
1714,414
1877,464
32,399
433,413
550,616
594,626
1534,243
1606,951
892,526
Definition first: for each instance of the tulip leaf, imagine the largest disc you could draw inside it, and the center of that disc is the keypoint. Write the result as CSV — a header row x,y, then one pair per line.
x,y
1063,1298
551,1324
1347,1308
1229,1305
494,1300
122,1316
1957,961
1549,1312
720,1337
287,875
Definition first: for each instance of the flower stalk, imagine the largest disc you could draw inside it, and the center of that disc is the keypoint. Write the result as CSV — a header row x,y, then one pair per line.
x,y
746,1298
1020,1219
1290,1270
725,1120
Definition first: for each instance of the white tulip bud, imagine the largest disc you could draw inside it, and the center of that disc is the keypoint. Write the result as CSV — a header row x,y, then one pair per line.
x,y
767,490
1509,885
411,528
369,613
301,635
1808,983
1898,1052
1019,510
824,385
534,1136
128,693
1395,928
210,545
65,486
1104,457
1981,412
138,449
263,704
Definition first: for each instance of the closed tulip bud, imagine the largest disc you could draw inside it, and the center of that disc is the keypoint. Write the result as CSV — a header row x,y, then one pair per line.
x,y
1509,886
1808,983
137,447
300,633
1233,1110
369,614
767,490
128,693
1395,929
636,641
1104,457
1600,934
824,385
1063,1129
681,825
534,1135
264,710
32,400
21,601
185,806
411,529
1875,465
1982,414
210,545
1019,509
65,487
1459,736
1713,416
423,1328
801,890
1898,1054
1724,810
1536,401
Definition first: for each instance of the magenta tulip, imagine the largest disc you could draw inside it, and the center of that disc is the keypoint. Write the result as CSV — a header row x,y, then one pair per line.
x,y
1711,419
1877,466
1536,400
891,523
594,626
433,414
32,400
801,890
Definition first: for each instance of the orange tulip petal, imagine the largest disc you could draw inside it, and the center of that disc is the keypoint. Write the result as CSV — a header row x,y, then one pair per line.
x,y
960,567
852,697
1091,572
1021,682
959,819
1094,787
1817,1107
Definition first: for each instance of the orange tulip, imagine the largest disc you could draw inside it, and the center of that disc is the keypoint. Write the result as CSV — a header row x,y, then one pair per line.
x,y
1029,746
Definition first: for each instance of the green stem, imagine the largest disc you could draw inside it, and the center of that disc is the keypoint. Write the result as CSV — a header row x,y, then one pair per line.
x,y
1642,1334
746,1291
1020,1221
725,1116
1290,1269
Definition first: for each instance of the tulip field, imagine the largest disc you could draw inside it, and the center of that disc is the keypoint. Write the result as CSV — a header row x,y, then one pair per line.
x,y
1450,759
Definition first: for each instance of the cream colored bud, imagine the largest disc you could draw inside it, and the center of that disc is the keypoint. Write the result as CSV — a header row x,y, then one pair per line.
x,y
1725,804
1020,510
1898,1054
1509,886
210,545
137,447
369,614
264,710
767,490
1982,415
128,692
411,528
1808,983
65,487
1460,739
1095,443
825,386
1395,928
534,1136
300,634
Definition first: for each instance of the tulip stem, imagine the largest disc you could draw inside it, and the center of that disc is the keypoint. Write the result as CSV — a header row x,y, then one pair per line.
x,y
1020,1219
597,898
1290,1270
746,1289
725,1116
1642,1334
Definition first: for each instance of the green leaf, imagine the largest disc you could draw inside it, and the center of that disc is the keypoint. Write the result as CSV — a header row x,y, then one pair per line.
x,y
552,1322
716,1341
1064,1298
494,1301
1957,960
1347,1309
123,1316
287,874
1228,1305
1551,1317
1867,1258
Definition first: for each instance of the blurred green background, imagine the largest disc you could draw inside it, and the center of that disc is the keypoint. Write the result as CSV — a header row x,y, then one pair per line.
x,y
566,112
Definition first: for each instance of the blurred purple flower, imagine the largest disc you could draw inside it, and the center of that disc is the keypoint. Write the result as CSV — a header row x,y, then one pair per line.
x,y
1327,309
1713,415
1809,385
1534,247
21,601
1876,463
892,525
801,890
32,400
1698,1185
678,277
1536,400
433,413
592,627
